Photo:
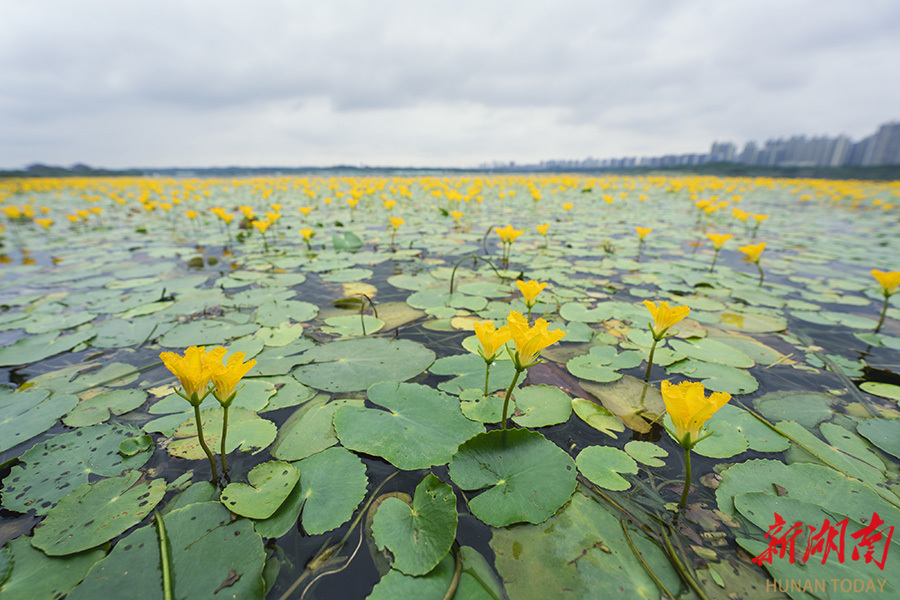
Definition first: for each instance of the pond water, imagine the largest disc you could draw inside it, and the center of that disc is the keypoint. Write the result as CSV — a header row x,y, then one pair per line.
x,y
370,473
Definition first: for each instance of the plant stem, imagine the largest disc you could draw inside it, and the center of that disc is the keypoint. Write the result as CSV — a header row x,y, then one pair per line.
x,y
509,395
758,266
883,312
487,374
687,479
715,258
212,461
164,557
650,360
224,432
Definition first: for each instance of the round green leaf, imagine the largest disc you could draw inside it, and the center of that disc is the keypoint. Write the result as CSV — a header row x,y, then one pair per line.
x,y
246,430
421,427
525,477
37,575
96,513
602,465
99,408
807,408
712,350
309,429
646,453
332,484
884,433
541,405
597,417
418,536
270,484
353,365
883,390
28,413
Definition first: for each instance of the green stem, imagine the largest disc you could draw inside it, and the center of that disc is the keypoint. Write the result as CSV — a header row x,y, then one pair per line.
x,y
759,266
224,432
687,479
487,374
164,557
529,313
508,396
212,461
650,360
715,258
883,312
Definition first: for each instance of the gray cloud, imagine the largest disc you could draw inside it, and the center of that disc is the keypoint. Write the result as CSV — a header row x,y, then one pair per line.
x,y
197,83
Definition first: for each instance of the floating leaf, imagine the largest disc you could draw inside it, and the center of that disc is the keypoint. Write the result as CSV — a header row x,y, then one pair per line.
x,y
602,364
332,485
270,484
26,414
807,408
309,429
541,405
246,430
469,370
50,470
38,347
597,417
712,350
525,477
884,433
602,465
646,453
636,403
201,533
883,390
99,408
421,427
418,536
353,365
96,513
37,575
477,581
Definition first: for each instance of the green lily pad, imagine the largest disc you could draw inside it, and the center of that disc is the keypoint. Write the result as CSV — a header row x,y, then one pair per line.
x,y
28,413
270,484
525,477
477,581
35,575
204,332
717,378
280,335
882,390
884,433
280,360
122,333
469,371
636,403
602,465
246,430
752,323
541,405
807,408
726,439
273,314
50,470
96,513
309,429
332,485
354,365
602,364
421,427
587,556
201,533
352,325
99,408
38,347
597,417
484,410
712,350
815,450
418,536
646,453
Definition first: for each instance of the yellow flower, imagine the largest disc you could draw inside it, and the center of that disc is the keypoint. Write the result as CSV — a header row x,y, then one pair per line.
x,y
542,229
307,233
276,207
643,231
272,216
889,281
457,215
191,214
665,316
45,223
740,215
305,210
719,239
753,251
95,209
352,202
760,218
83,213
72,218
568,206
690,409
530,341
389,204
193,370
220,212
508,234
530,290
703,204
261,225
396,222
12,212
226,377
491,339
247,211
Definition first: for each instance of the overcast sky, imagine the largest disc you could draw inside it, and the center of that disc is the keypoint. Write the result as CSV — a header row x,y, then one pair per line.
x,y
123,83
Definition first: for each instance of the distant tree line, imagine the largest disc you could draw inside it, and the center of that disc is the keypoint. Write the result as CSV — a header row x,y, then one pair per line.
x,y
76,170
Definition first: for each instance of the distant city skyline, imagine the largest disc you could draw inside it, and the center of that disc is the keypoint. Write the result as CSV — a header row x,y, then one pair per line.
x,y
879,148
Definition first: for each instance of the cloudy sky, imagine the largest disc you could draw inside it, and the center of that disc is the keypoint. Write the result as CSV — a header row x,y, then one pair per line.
x,y
121,83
